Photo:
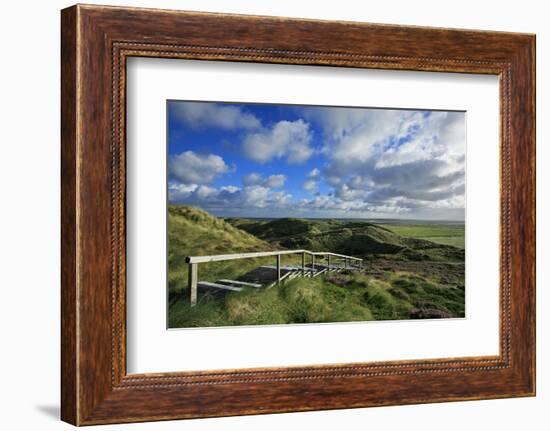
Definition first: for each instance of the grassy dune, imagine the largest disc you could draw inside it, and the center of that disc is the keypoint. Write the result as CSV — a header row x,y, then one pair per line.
x,y
406,277
193,232
359,238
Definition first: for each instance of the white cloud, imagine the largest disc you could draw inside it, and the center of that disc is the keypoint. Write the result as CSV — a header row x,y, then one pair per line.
x,y
371,138
255,196
178,192
439,136
347,193
272,182
232,198
280,199
392,159
290,140
191,168
311,184
205,192
334,206
230,189
314,174
252,179
199,115
378,163
275,181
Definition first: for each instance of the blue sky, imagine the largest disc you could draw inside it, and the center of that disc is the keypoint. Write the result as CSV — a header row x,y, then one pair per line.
x,y
262,160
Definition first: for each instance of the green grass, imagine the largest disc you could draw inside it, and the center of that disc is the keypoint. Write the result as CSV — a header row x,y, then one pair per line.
x,y
409,274
334,298
438,242
302,300
448,234
193,232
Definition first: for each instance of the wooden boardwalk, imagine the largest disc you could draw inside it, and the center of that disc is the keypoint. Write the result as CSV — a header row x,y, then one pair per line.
x,y
266,276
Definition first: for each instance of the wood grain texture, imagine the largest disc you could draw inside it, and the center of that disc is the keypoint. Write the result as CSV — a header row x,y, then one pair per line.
x,y
96,41
69,397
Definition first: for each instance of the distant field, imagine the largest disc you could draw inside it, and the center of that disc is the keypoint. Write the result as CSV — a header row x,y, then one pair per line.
x,y
449,234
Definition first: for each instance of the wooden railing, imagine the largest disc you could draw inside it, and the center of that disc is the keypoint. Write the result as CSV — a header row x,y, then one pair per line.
x,y
194,261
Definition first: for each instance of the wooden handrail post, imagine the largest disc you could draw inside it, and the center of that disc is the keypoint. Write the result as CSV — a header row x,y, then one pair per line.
x,y
278,268
312,264
328,257
303,264
193,281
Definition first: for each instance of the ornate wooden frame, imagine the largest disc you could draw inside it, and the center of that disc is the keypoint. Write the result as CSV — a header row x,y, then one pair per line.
x,y
95,42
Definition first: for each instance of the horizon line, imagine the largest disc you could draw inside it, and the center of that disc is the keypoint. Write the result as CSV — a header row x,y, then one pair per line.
x,y
319,218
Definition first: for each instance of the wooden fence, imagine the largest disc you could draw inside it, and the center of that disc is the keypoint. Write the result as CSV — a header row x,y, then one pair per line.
x,y
194,261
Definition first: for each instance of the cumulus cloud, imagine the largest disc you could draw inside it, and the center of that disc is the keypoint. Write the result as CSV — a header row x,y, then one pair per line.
x,y
178,192
290,140
252,179
391,160
191,168
334,205
374,163
199,115
272,182
229,189
255,196
233,198
312,181
310,185
275,181
314,174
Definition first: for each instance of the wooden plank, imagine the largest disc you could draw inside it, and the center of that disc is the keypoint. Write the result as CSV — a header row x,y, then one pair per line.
x,y
242,283
319,272
283,268
193,273
208,284
278,268
222,257
284,277
69,222
293,275
327,253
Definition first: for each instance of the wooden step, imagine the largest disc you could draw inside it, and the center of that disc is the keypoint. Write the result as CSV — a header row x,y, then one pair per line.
x,y
209,285
240,283
319,272
283,268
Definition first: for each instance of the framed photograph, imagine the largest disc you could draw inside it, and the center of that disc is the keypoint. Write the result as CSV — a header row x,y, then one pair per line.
x,y
266,215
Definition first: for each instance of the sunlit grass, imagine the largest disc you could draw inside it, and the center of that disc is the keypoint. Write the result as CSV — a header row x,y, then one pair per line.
x,y
332,298
448,234
383,294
